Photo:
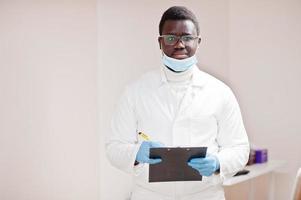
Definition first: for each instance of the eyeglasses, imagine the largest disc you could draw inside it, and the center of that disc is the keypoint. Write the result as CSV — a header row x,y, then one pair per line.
x,y
173,39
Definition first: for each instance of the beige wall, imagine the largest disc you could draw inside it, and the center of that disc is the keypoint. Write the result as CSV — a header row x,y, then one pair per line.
x,y
51,141
48,139
265,69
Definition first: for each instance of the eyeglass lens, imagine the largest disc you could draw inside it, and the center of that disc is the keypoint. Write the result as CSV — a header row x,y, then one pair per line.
x,y
173,39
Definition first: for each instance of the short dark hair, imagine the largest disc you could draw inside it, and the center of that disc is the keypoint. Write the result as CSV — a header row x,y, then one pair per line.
x,y
178,13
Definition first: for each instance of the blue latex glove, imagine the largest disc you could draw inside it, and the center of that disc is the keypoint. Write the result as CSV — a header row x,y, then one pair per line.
x,y
205,166
143,153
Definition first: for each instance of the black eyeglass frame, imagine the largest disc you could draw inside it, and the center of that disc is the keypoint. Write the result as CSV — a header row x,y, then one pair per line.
x,y
177,38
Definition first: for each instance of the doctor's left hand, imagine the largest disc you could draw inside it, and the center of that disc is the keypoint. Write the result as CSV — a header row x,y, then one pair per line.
x,y
205,166
143,153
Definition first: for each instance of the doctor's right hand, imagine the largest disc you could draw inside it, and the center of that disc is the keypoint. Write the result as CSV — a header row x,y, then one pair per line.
x,y
143,153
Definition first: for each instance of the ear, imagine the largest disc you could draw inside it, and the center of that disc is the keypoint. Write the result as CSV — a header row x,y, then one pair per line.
x,y
199,40
159,40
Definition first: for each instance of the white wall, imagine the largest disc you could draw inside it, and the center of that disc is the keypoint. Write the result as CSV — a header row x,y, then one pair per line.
x,y
48,138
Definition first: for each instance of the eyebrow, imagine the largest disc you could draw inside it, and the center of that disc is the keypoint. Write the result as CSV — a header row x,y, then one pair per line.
x,y
183,33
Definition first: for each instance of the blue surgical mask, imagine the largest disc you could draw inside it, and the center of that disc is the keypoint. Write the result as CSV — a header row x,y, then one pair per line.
x,y
177,64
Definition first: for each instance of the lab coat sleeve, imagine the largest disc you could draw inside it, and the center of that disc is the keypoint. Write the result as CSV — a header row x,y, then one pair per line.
x,y
232,138
121,142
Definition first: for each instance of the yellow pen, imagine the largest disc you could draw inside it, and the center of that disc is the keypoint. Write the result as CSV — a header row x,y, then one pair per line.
x,y
144,136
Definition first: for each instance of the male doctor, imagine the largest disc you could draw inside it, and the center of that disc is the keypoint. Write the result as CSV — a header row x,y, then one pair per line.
x,y
178,105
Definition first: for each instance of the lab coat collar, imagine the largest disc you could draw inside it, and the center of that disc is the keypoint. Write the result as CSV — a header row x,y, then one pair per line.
x,y
199,77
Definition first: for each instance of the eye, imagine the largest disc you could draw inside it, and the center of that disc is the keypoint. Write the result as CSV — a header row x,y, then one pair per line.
x,y
187,38
170,38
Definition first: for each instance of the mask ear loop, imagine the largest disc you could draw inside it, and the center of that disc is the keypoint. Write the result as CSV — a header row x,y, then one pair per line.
x,y
160,45
162,53
159,40
199,43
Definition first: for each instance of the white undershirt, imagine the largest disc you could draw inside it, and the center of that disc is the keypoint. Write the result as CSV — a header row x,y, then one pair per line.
x,y
178,83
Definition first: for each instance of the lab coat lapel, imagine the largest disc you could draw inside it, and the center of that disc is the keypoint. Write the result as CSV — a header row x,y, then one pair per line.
x,y
186,101
167,102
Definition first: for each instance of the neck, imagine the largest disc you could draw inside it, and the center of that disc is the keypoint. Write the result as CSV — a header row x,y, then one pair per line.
x,y
173,76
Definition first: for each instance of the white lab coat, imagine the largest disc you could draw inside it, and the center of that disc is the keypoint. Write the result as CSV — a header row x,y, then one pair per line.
x,y
208,115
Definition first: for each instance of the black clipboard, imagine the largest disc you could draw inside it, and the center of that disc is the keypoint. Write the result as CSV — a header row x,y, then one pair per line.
x,y
174,165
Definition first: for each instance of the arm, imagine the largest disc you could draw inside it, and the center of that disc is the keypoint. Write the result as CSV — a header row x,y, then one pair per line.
x,y
121,143
232,138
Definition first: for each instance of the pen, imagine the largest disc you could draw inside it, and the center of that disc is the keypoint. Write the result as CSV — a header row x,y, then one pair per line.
x,y
144,136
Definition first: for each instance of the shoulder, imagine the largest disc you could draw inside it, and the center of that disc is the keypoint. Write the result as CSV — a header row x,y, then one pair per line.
x,y
146,82
211,82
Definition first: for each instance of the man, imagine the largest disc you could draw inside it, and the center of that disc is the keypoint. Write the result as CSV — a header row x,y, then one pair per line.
x,y
178,105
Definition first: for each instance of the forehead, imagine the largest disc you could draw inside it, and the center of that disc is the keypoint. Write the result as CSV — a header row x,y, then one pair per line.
x,y
179,27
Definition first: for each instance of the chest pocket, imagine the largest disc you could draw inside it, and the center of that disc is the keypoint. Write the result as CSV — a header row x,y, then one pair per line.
x,y
203,130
